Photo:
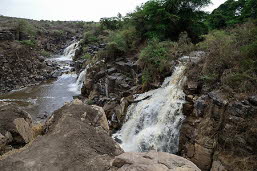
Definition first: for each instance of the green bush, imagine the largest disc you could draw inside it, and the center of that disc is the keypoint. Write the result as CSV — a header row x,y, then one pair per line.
x,y
126,39
155,59
166,19
87,56
112,23
232,58
45,53
30,43
89,37
59,33
26,28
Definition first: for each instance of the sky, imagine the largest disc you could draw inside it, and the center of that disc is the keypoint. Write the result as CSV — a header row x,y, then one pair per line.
x,y
66,10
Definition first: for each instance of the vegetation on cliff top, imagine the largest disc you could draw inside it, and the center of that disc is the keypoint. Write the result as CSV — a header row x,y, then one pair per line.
x,y
160,31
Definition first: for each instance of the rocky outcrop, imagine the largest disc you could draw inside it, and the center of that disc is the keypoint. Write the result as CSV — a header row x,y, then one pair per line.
x,y
218,134
76,139
152,161
110,85
15,127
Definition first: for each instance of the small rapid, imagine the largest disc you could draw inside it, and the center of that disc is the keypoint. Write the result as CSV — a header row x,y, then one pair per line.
x,y
154,123
76,87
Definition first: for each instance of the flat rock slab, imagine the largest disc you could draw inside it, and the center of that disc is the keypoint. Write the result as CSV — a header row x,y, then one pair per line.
x,y
152,161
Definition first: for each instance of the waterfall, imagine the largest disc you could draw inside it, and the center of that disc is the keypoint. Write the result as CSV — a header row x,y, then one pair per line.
x,y
76,87
154,123
69,52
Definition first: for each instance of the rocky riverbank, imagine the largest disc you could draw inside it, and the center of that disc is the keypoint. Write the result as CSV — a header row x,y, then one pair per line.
x,y
26,44
77,138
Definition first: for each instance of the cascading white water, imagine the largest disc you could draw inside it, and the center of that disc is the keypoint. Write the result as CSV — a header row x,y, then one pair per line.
x,y
76,87
154,123
69,52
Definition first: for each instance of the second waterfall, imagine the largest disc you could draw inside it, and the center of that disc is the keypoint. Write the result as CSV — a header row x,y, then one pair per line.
x,y
154,123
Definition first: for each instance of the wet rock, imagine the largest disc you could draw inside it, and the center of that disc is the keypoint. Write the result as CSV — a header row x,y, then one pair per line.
x,y
192,87
217,98
253,100
200,105
152,161
189,98
188,109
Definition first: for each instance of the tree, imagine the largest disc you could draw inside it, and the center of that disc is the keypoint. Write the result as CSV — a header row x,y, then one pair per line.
x,y
166,19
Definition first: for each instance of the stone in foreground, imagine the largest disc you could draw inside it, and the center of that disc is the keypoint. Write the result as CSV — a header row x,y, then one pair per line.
x,y
152,161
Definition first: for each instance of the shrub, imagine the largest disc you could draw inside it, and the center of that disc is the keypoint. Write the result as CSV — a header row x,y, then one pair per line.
x,y
155,59
87,56
59,33
45,53
92,33
26,28
232,58
126,39
118,41
30,43
112,23
89,37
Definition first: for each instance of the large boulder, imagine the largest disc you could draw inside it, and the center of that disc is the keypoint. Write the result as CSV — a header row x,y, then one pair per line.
x,y
152,161
15,126
76,139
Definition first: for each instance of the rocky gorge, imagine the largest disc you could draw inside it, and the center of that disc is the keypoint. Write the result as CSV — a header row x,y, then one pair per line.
x,y
93,111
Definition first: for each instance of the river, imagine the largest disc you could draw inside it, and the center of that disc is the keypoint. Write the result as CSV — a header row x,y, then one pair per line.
x,y
43,99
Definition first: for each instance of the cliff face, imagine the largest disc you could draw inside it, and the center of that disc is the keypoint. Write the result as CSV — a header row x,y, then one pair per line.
x,y
219,134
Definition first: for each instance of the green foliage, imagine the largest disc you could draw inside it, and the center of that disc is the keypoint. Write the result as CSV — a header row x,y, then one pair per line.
x,y
233,12
112,23
92,33
87,56
118,41
59,33
26,28
166,19
90,102
232,58
45,53
125,40
89,37
155,59
30,43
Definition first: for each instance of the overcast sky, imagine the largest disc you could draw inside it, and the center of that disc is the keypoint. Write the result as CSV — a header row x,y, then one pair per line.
x,y
87,10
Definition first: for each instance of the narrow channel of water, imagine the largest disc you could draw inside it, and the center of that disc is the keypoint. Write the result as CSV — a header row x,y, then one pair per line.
x,y
41,100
